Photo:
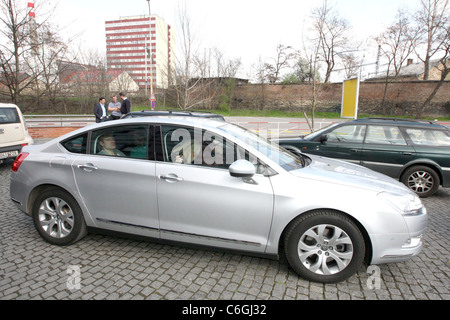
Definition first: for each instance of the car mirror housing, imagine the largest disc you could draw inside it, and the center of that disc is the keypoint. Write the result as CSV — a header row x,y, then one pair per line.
x,y
323,138
242,169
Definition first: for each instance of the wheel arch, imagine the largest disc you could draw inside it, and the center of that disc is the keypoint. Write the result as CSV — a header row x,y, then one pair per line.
x,y
365,234
291,148
41,188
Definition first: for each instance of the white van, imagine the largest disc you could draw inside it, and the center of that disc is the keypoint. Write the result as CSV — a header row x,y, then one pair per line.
x,y
13,131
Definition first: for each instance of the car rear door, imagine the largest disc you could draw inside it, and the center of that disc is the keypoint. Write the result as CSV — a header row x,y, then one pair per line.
x,y
120,191
385,150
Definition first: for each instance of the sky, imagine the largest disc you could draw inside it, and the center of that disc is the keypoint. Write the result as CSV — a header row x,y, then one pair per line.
x,y
246,29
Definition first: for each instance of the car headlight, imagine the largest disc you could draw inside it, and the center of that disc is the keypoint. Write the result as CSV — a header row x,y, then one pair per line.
x,y
406,204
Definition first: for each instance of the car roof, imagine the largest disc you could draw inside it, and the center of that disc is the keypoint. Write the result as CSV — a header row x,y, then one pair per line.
x,y
170,113
204,123
174,119
8,105
399,121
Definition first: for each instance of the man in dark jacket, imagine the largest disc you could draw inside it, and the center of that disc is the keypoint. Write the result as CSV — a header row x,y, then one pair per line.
x,y
101,114
126,105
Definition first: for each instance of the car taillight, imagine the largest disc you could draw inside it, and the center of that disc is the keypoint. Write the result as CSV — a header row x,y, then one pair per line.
x,y
19,161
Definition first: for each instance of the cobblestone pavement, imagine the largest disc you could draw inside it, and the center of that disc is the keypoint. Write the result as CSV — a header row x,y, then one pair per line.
x,y
117,268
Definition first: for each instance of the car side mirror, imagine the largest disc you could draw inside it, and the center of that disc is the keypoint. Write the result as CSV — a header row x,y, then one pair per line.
x,y
323,138
242,169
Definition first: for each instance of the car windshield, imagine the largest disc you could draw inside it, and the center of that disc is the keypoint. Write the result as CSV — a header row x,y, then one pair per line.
x,y
316,134
286,160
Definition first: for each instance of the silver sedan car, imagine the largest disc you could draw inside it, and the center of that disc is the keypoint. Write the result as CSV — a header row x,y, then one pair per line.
x,y
211,183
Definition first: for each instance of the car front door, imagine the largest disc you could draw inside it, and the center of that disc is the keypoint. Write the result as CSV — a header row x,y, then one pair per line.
x,y
120,190
200,202
343,142
385,150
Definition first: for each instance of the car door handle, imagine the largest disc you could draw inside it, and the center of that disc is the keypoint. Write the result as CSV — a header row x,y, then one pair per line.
x,y
171,178
87,167
353,150
407,153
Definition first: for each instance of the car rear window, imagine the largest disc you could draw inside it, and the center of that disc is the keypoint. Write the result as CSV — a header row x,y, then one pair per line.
x,y
429,137
76,144
9,115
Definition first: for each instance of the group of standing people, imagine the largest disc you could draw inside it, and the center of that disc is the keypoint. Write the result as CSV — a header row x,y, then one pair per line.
x,y
115,109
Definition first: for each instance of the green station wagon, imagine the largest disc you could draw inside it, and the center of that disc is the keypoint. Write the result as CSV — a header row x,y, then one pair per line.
x,y
413,151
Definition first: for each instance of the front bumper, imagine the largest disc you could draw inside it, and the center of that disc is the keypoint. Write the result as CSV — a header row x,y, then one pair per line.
x,y
389,248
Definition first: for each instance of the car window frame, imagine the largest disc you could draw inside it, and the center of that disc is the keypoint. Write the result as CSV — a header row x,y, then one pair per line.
x,y
261,167
411,141
318,138
15,113
86,151
138,126
382,143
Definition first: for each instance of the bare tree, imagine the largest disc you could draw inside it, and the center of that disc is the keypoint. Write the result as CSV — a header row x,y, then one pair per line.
x,y
190,84
332,34
351,65
42,62
312,48
444,69
395,45
200,73
432,22
19,31
284,55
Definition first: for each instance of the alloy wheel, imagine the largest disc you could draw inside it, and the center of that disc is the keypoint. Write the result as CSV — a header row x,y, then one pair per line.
x,y
420,181
325,249
56,217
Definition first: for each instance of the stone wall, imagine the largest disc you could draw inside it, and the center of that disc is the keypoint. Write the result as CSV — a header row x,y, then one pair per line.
x,y
402,98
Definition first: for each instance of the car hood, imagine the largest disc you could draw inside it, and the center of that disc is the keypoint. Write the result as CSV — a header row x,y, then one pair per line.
x,y
345,173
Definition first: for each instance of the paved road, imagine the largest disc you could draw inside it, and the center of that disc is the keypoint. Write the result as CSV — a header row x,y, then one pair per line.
x,y
116,268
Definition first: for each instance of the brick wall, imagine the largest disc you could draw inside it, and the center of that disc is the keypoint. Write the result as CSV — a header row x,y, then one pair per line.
x,y
402,98
50,132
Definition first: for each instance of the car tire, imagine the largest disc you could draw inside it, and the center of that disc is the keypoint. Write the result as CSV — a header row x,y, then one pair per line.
x,y
58,217
324,246
423,180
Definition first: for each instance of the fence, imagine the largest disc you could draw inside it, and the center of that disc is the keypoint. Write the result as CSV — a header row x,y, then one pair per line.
x,y
52,126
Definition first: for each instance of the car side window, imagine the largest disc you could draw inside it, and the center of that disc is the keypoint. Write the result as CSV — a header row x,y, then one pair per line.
x,y
9,115
428,137
123,141
351,133
199,147
384,135
76,144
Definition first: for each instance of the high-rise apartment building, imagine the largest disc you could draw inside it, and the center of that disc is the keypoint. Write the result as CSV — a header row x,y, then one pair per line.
x,y
144,47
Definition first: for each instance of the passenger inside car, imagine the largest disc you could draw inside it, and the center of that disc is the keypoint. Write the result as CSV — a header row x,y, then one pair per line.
x,y
108,144
139,151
